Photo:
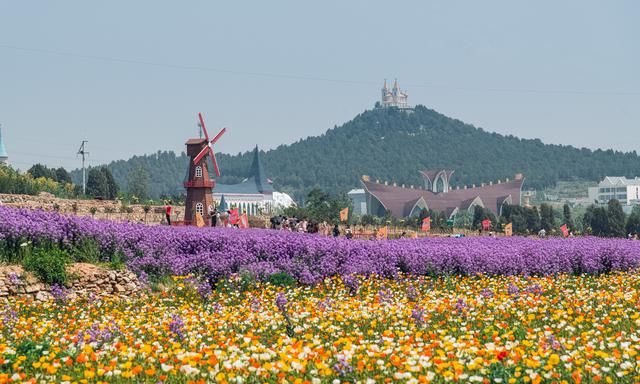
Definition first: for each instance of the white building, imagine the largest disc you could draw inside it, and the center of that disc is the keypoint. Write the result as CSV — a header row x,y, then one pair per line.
x,y
3,152
359,200
627,191
394,97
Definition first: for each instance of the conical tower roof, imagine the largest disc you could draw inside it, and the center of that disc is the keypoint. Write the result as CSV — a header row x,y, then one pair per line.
x,y
257,171
223,205
3,151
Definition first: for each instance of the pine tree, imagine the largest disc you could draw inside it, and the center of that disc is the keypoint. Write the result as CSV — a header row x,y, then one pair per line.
x,y
566,215
615,217
547,220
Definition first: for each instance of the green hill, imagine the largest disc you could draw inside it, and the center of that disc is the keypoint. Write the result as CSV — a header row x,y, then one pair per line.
x,y
389,144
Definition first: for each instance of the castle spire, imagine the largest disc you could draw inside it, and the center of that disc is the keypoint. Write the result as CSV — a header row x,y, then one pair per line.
x,y
385,84
395,84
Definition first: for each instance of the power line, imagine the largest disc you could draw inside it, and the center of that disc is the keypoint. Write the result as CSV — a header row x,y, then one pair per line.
x,y
314,78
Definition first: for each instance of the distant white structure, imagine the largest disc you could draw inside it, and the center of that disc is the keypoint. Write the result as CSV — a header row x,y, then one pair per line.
x,y
627,191
359,200
282,200
3,152
394,97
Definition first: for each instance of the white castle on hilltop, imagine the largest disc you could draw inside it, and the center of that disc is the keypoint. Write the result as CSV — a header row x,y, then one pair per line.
x,y
394,97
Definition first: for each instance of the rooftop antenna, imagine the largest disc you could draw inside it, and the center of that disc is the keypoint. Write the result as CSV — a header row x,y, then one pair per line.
x,y
82,152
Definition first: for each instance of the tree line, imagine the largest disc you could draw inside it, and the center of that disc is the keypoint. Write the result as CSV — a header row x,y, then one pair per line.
x,y
392,145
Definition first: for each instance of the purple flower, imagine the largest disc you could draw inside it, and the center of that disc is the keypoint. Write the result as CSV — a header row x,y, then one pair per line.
x,y
59,293
513,290
216,253
461,305
98,334
486,293
553,342
352,283
281,302
342,367
385,296
14,279
9,316
535,289
176,327
255,304
325,304
417,314
412,293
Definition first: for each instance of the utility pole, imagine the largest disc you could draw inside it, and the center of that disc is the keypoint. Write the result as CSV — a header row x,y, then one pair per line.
x,y
82,152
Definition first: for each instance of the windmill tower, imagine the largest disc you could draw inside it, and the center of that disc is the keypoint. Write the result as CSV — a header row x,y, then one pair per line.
x,y
198,183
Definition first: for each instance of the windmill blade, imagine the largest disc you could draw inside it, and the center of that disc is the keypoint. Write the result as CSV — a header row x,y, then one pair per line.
x,y
202,154
222,131
215,163
204,129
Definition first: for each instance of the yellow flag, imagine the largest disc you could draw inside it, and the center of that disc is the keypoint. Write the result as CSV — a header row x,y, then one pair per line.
x,y
508,229
382,233
344,214
199,220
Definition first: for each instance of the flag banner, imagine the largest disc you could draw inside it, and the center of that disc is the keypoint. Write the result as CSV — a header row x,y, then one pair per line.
x,y
426,224
233,216
565,230
344,214
508,229
199,220
382,233
486,224
244,221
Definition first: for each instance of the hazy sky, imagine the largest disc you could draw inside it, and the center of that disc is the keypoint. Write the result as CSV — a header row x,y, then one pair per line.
x,y
130,76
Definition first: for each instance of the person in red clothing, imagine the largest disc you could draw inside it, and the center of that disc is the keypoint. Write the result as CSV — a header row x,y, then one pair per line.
x,y
167,211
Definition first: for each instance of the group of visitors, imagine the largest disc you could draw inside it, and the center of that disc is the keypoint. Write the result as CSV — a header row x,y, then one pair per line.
x,y
293,224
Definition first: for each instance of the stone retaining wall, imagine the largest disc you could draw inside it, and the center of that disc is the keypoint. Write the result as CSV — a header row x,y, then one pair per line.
x,y
84,280
104,209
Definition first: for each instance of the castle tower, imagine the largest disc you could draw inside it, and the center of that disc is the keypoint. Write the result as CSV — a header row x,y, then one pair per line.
x,y
3,152
394,97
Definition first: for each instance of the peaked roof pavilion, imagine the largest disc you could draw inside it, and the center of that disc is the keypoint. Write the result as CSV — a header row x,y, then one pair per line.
x,y
256,183
404,202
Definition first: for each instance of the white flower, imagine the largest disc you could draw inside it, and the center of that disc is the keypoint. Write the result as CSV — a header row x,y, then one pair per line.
x,y
166,367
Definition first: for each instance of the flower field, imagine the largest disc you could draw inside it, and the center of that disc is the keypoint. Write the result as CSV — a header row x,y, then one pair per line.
x,y
217,253
501,329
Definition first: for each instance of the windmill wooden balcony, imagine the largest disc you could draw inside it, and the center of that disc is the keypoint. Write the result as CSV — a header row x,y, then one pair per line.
x,y
200,184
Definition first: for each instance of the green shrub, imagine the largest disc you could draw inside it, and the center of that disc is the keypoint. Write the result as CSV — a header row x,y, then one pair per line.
x,y
48,264
247,281
281,279
117,261
86,251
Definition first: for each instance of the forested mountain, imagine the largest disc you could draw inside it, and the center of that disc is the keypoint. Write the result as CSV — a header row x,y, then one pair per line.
x,y
389,144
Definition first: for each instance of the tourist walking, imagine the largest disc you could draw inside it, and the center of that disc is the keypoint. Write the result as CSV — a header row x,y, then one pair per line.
x,y
348,234
336,231
212,215
167,212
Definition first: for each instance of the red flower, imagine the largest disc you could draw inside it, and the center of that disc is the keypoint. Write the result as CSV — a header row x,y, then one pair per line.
x,y
502,355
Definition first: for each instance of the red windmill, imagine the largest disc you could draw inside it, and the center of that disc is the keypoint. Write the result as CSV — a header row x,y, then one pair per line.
x,y
198,184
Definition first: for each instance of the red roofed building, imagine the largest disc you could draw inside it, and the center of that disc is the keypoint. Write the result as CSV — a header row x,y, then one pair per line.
x,y
437,194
